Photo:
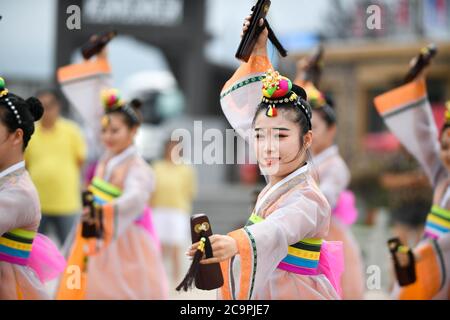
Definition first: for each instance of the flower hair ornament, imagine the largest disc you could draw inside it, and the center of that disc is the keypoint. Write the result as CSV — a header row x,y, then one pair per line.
x,y
3,90
4,95
278,90
317,101
112,101
316,98
447,113
446,124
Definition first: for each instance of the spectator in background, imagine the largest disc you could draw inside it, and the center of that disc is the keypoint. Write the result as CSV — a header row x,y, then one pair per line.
x,y
54,159
410,197
172,203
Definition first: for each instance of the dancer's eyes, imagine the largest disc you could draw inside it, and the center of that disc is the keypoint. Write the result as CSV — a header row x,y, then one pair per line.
x,y
259,135
277,136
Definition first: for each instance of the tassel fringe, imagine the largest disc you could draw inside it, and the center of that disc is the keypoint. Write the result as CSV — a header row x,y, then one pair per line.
x,y
203,248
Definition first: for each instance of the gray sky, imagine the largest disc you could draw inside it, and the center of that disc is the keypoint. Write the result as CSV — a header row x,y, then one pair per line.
x,y
28,26
225,19
28,32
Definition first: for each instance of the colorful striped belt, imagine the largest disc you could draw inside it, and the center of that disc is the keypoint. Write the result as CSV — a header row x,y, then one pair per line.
x,y
103,191
438,222
303,257
15,246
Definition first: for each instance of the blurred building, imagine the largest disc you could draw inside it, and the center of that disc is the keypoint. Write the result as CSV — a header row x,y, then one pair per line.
x,y
361,63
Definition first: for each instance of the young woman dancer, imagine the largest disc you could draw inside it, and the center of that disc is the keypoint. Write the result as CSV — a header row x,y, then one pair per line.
x,y
125,263
280,253
27,259
333,177
407,113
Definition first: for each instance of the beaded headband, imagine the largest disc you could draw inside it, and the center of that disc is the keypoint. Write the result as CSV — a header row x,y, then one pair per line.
x,y
277,90
4,93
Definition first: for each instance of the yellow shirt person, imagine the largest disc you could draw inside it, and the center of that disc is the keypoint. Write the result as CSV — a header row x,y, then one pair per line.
x,y
171,202
54,159
175,186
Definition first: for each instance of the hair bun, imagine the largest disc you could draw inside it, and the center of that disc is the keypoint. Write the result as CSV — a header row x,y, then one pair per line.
x,y
300,91
275,86
329,100
136,104
35,107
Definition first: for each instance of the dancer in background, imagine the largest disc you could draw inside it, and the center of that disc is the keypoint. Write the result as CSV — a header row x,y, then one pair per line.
x,y
27,259
409,195
333,178
125,263
407,113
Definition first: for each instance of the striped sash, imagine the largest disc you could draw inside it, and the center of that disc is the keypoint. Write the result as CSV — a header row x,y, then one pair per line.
x,y
303,257
15,246
438,222
103,191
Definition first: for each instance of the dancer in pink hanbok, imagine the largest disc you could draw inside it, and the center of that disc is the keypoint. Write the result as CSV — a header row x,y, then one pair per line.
x,y
333,177
27,259
126,262
280,253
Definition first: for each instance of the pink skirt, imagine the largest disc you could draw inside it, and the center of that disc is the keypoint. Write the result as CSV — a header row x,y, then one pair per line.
x,y
146,222
345,209
45,259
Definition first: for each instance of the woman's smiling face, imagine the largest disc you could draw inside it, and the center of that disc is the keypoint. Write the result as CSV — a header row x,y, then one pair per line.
x,y
116,135
278,146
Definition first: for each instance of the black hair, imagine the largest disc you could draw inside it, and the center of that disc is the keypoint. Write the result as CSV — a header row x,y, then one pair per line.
x,y
28,111
130,112
327,114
